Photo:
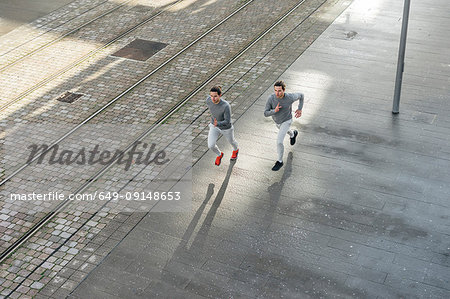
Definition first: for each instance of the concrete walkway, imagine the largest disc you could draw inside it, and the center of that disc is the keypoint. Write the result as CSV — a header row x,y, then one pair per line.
x,y
361,206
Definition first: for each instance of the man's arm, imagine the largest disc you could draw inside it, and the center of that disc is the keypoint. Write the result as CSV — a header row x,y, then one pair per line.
x,y
300,101
297,97
298,112
207,101
268,110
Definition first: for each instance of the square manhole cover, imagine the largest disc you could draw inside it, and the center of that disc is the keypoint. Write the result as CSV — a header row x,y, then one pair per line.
x,y
140,49
69,97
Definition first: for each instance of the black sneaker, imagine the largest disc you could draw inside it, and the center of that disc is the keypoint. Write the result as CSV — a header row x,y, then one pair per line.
x,y
293,138
277,166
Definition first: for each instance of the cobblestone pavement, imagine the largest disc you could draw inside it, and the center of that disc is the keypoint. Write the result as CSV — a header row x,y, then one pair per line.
x,y
134,108
77,113
95,79
61,230
32,71
30,37
36,13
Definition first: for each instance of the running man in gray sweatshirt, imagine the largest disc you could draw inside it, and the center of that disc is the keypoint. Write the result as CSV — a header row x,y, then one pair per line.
x,y
279,106
220,123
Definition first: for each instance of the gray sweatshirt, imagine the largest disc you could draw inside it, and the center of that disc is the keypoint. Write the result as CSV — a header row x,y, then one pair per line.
x,y
285,112
221,112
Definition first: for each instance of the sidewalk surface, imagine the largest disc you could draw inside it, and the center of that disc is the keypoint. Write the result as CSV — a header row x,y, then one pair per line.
x,y
360,207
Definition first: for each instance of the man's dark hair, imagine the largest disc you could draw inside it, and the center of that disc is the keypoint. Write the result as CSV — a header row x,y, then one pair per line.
x,y
217,89
280,83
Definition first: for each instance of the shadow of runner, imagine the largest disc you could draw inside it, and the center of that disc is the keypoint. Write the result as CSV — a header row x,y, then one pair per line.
x,y
196,248
275,191
203,231
190,230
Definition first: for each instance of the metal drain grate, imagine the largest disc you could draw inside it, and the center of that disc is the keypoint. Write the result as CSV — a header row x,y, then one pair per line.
x,y
140,49
69,97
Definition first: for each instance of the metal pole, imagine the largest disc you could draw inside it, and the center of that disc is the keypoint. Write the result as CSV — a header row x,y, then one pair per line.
x,y
401,59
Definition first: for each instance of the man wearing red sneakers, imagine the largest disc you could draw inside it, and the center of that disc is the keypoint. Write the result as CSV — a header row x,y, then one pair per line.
x,y
279,106
220,123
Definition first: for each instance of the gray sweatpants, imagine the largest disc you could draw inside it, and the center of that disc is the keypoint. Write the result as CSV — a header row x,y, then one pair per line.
x,y
213,135
283,130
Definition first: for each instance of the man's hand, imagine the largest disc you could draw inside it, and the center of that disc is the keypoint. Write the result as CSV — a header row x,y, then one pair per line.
x,y
277,108
215,122
298,113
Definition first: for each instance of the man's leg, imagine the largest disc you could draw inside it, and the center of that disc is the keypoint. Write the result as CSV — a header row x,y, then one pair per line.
x,y
283,130
293,135
229,135
213,135
290,133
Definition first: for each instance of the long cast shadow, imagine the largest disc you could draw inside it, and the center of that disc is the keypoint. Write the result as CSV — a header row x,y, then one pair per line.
x,y
206,226
275,191
199,241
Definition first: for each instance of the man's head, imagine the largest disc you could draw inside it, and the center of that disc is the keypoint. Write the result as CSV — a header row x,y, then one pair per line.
x,y
279,88
215,93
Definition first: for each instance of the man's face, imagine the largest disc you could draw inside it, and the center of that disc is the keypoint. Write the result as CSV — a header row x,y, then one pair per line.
x,y
279,92
215,97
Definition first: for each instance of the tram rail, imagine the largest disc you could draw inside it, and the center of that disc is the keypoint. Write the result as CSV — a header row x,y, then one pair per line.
x,y
80,60
55,40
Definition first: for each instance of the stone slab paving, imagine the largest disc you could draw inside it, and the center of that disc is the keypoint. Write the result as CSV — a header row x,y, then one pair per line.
x,y
360,208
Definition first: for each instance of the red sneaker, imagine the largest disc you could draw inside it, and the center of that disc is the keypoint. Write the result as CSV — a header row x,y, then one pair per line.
x,y
235,154
219,159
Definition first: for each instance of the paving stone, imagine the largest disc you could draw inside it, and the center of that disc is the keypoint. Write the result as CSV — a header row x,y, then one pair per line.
x,y
37,285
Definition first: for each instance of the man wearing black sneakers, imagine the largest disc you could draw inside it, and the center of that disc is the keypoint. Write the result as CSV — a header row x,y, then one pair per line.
x,y
220,123
279,106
